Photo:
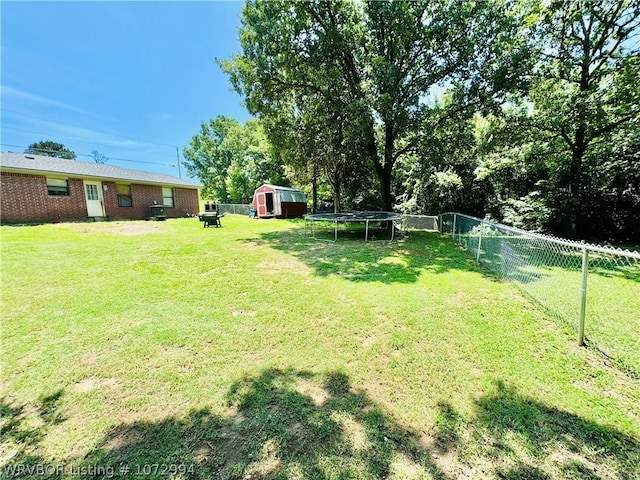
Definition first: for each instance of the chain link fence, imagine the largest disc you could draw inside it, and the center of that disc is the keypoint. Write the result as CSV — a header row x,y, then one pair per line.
x,y
236,208
420,222
594,289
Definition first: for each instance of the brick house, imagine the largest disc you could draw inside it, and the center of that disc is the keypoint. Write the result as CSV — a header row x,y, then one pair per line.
x,y
36,188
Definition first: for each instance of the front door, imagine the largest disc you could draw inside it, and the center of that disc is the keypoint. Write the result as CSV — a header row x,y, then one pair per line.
x,y
93,194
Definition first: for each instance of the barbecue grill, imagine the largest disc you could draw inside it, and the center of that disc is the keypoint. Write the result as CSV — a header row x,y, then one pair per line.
x,y
211,216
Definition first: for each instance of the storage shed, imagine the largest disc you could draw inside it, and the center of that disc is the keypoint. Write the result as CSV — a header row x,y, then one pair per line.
x,y
276,201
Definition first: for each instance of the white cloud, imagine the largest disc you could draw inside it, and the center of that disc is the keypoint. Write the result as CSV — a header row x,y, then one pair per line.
x,y
31,98
44,127
84,134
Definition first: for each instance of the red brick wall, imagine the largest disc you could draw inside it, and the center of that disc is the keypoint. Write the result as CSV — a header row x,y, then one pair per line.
x,y
142,196
24,198
185,200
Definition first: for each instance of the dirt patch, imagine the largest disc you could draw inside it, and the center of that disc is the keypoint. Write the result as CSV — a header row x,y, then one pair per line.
x,y
89,359
92,383
318,395
123,440
353,431
119,228
138,229
370,340
235,415
267,464
202,453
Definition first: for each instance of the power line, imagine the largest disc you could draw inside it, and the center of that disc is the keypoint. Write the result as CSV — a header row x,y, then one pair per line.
x,y
44,150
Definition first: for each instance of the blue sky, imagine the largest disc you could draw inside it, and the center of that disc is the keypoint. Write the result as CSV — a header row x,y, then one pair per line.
x,y
132,80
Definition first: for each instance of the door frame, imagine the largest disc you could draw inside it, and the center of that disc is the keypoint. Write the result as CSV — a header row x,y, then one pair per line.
x,y
98,185
273,203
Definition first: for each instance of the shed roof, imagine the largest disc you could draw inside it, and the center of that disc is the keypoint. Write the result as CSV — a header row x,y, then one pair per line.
x,y
40,164
278,187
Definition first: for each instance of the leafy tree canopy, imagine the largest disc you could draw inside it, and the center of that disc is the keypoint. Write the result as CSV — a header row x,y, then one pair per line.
x,y
369,67
232,160
526,110
49,148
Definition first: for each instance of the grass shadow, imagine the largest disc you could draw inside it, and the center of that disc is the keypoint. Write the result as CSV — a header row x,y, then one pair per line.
x,y
400,261
279,424
22,430
526,439
287,423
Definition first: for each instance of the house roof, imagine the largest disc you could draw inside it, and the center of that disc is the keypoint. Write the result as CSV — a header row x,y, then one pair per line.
x,y
39,164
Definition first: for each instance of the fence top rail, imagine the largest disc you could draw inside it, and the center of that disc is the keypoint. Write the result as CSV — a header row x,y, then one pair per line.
x,y
552,239
419,216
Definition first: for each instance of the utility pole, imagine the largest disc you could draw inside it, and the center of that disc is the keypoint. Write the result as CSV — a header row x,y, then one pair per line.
x,y
178,159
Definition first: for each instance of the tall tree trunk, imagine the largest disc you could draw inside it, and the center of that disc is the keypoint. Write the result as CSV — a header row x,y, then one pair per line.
x,y
578,149
336,199
314,188
576,187
385,184
384,170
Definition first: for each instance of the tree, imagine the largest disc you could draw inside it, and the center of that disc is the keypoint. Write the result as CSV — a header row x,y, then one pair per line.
x,y
208,157
440,176
586,90
98,157
371,66
316,142
513,170
295,84
232,159
49,148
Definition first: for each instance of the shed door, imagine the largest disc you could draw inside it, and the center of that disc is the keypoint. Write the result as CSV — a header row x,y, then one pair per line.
x,y
262,204
93,194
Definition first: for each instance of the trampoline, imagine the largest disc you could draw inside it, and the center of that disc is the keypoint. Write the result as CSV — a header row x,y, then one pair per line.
x,y
369,219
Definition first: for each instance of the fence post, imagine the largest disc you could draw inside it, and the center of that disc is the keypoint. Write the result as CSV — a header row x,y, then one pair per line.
x,y
479,242
453,229
583,294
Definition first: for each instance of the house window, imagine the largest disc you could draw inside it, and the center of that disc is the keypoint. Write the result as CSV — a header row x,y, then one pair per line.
x,y
57,186
167,197
92,192
124,195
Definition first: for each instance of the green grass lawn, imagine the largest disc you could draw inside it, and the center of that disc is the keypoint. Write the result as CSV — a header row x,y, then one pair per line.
x,y
167,350
552,275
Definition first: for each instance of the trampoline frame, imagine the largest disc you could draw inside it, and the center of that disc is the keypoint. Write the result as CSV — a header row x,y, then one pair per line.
x,y
351,217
